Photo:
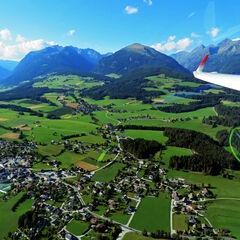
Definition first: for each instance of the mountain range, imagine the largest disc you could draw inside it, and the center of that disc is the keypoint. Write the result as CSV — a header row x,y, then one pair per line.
x,y
54,59
133,59
136,57
223,57
72,60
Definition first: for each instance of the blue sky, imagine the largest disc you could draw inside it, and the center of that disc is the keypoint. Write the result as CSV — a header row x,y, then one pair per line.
x,y
108,25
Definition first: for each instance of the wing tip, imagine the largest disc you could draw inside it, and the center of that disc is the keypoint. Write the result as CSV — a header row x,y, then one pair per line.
x,y
202,63
204,60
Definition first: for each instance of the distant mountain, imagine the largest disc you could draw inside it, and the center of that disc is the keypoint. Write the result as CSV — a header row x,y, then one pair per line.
x,y
92,55
136,57
4,73
54,59
224,57
8,64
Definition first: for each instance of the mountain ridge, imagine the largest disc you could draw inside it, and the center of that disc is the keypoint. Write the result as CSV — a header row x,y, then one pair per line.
x,y
72,60
8,64
137,56
223,57
4,73
53,59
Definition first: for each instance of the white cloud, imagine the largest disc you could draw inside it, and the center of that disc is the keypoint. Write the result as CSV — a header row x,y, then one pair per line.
x,y
171,38
191,14
213,32
236,39
173,45
195,35
20,38
131,10
17,49
149,2
5,34
71,32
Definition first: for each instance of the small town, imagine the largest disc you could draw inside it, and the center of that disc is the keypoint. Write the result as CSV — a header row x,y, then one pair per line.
x,y
66,195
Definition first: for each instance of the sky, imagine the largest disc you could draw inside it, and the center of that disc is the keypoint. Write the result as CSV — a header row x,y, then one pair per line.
x,y
108,25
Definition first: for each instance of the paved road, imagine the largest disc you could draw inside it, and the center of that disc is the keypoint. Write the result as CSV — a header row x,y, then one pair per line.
x,y
107,219
130,219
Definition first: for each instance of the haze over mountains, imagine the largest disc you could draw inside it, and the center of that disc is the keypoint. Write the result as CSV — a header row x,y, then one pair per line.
x,y
72,60
224,57
55,59
4,73
137,56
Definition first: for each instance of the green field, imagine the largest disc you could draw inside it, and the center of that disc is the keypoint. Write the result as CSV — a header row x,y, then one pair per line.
x,y
50,150
65,82
109,173
120,217
77,227
174,151
102,156
231,104
69,159
225,214
153,214
48,130
135,236
223,187
171,98
8,218
52,97
91,139
179,222
34,105
146,134
38,166
193,124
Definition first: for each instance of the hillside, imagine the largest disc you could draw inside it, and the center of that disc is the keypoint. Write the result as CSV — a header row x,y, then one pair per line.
x,y
55,59
224,57
4,73
8,64
135,57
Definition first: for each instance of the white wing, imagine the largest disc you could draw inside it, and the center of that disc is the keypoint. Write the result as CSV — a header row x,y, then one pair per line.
x,y
224,80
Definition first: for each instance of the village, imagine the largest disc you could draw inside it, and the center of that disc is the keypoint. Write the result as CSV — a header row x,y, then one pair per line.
x,y
58,200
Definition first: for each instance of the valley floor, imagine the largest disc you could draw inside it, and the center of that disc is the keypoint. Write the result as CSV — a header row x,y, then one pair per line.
x,y
83,183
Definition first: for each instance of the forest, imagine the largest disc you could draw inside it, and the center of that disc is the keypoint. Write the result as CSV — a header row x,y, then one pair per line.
x,y
141,148
227,116
208,156
192,106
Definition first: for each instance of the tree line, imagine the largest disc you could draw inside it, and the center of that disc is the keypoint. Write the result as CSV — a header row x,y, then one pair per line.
x,y
209,156
227,116
192,106
141,148
21,109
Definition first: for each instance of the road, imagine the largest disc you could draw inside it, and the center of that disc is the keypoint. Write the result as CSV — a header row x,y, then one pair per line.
x,y
172,231
111,118
215,111
130,219
108,219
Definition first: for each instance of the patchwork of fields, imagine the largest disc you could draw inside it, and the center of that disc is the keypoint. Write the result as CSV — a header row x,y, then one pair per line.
x,y
75,139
